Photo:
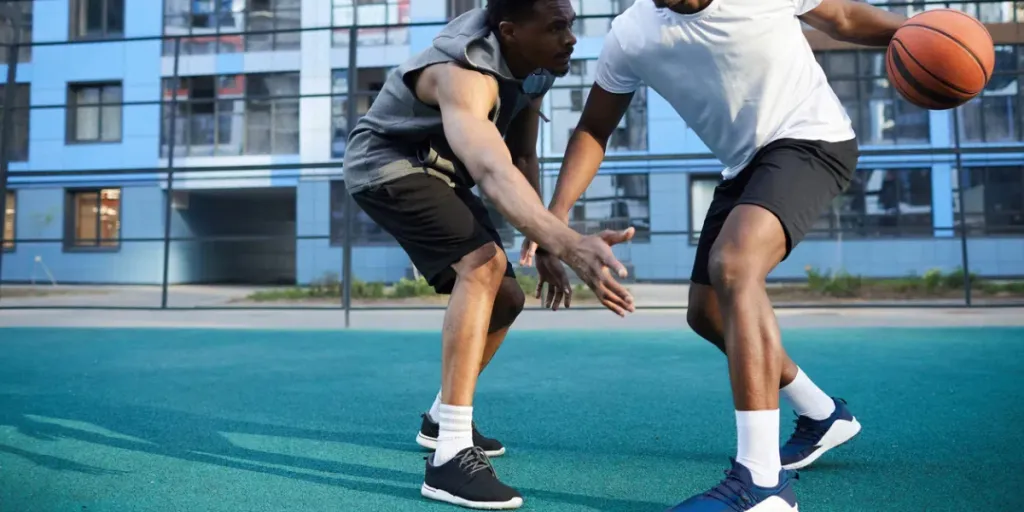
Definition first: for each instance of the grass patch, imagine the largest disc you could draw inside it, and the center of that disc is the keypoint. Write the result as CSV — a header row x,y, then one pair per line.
x,y
932,284
330,287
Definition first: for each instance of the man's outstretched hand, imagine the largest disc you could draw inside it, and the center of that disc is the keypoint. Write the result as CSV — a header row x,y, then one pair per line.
x,y
593,261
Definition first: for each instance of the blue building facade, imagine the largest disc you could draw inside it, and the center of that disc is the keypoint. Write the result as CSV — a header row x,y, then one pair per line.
x,y
279,99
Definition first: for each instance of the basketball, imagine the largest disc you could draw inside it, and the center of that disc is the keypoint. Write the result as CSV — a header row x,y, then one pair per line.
x,y
940,59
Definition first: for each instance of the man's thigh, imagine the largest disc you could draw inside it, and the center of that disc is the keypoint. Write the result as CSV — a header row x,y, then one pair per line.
x,y
435,224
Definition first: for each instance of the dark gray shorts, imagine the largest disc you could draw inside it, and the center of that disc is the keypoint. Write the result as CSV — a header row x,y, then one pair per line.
x,y
794,179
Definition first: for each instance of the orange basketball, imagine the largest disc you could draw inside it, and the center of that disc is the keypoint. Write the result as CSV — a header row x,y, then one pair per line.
x,y
940,59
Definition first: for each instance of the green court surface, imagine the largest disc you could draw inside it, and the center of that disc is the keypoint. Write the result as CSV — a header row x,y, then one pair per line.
x,y
162,420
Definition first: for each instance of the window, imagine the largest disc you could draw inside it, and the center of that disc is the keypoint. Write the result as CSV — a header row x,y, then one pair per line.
x,y
255,114
10,207
993,199
568,96
93,219
614,201
273,15
880,203
370,81
702,191
24,38
879,114
94,112
600,12
366,231
20,122
995,114
96,19
216,26
376,13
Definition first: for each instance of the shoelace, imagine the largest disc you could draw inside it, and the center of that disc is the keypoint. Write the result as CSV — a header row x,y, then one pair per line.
x,y
732,492
474,460
806,430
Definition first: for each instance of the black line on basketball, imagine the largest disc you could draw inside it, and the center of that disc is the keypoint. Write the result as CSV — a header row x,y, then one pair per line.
x,y
909,78
933,75
955,40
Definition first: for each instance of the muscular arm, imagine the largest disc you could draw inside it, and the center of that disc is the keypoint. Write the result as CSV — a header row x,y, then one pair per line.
x,y
465,98
586,149
522,143
854,22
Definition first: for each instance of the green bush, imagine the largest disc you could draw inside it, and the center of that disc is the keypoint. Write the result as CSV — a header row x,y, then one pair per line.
x,y
418,287
840,284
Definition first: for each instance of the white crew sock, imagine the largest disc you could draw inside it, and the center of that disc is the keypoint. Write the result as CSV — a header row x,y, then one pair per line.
x,y
435,410
758,445
807,399
456,432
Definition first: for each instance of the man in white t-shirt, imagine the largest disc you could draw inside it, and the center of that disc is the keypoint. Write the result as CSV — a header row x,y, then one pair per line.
x,y
743,77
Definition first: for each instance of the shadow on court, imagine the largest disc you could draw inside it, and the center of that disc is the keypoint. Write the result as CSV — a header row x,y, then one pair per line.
x,y
162,420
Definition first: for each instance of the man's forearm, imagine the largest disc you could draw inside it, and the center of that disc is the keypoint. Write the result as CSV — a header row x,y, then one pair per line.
x,y
582,159
870,26
511,195
530,167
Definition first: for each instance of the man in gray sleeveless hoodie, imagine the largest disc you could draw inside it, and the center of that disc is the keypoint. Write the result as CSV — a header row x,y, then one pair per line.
x,y
460,114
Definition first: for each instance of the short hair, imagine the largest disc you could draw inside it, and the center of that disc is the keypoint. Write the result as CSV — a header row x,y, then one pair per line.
x,y
508,10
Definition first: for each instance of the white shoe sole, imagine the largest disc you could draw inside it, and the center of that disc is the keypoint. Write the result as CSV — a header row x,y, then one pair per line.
x,y
431,444
439,495
841,432
774,504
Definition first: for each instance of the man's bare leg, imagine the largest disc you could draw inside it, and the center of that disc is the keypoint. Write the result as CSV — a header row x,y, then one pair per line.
x,y
507,305
750,244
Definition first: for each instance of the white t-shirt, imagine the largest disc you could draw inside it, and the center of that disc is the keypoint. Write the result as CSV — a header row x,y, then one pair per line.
x,y
740,73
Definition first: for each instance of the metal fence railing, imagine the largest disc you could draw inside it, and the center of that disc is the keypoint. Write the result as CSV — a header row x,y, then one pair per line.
x,y
924,224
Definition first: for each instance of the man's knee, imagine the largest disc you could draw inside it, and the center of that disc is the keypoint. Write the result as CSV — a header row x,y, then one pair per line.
x,y
485,266
507,305
751,243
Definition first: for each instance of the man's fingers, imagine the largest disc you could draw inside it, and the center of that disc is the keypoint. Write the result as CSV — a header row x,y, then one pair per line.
x,y
551,295
615,308
615,265
612,237
540,288
568,295
557,301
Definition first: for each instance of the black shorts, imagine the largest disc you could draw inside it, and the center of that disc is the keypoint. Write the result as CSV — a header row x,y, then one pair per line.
x,y
793,179
436,224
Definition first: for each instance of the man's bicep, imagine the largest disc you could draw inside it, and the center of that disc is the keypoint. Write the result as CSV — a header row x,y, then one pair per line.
x,y
465,91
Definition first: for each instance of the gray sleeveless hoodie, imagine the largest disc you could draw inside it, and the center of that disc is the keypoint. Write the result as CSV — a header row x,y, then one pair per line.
x,y
400,135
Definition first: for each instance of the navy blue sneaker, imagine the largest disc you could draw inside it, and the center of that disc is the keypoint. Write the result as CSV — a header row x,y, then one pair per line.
x,y
813,438
737,493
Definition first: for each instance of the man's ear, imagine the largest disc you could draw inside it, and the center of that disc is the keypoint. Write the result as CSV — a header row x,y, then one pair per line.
x,y
507,31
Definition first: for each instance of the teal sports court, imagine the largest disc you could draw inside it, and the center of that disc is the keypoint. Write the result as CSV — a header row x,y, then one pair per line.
x,y
161,420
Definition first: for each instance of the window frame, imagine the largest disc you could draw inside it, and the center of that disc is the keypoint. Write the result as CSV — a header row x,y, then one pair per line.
x,y
10,244
694,230
71,112
862,77
642,234
986,229
185,114
71,242
76,8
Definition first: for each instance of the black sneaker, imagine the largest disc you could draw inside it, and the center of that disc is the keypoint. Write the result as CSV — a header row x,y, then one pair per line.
x,y
468,480
429,430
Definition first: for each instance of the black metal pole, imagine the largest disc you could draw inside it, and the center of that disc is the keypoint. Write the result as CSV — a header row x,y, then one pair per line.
x,y
351,116
960,199
172,137
10,93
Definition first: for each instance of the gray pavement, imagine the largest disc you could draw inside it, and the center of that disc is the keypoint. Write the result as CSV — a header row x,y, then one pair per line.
x,y
531,319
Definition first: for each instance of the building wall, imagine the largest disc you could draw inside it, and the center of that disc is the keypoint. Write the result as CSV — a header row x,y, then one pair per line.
x,y
142,65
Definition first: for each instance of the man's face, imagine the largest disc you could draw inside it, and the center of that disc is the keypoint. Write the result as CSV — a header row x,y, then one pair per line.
x,y
545,39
